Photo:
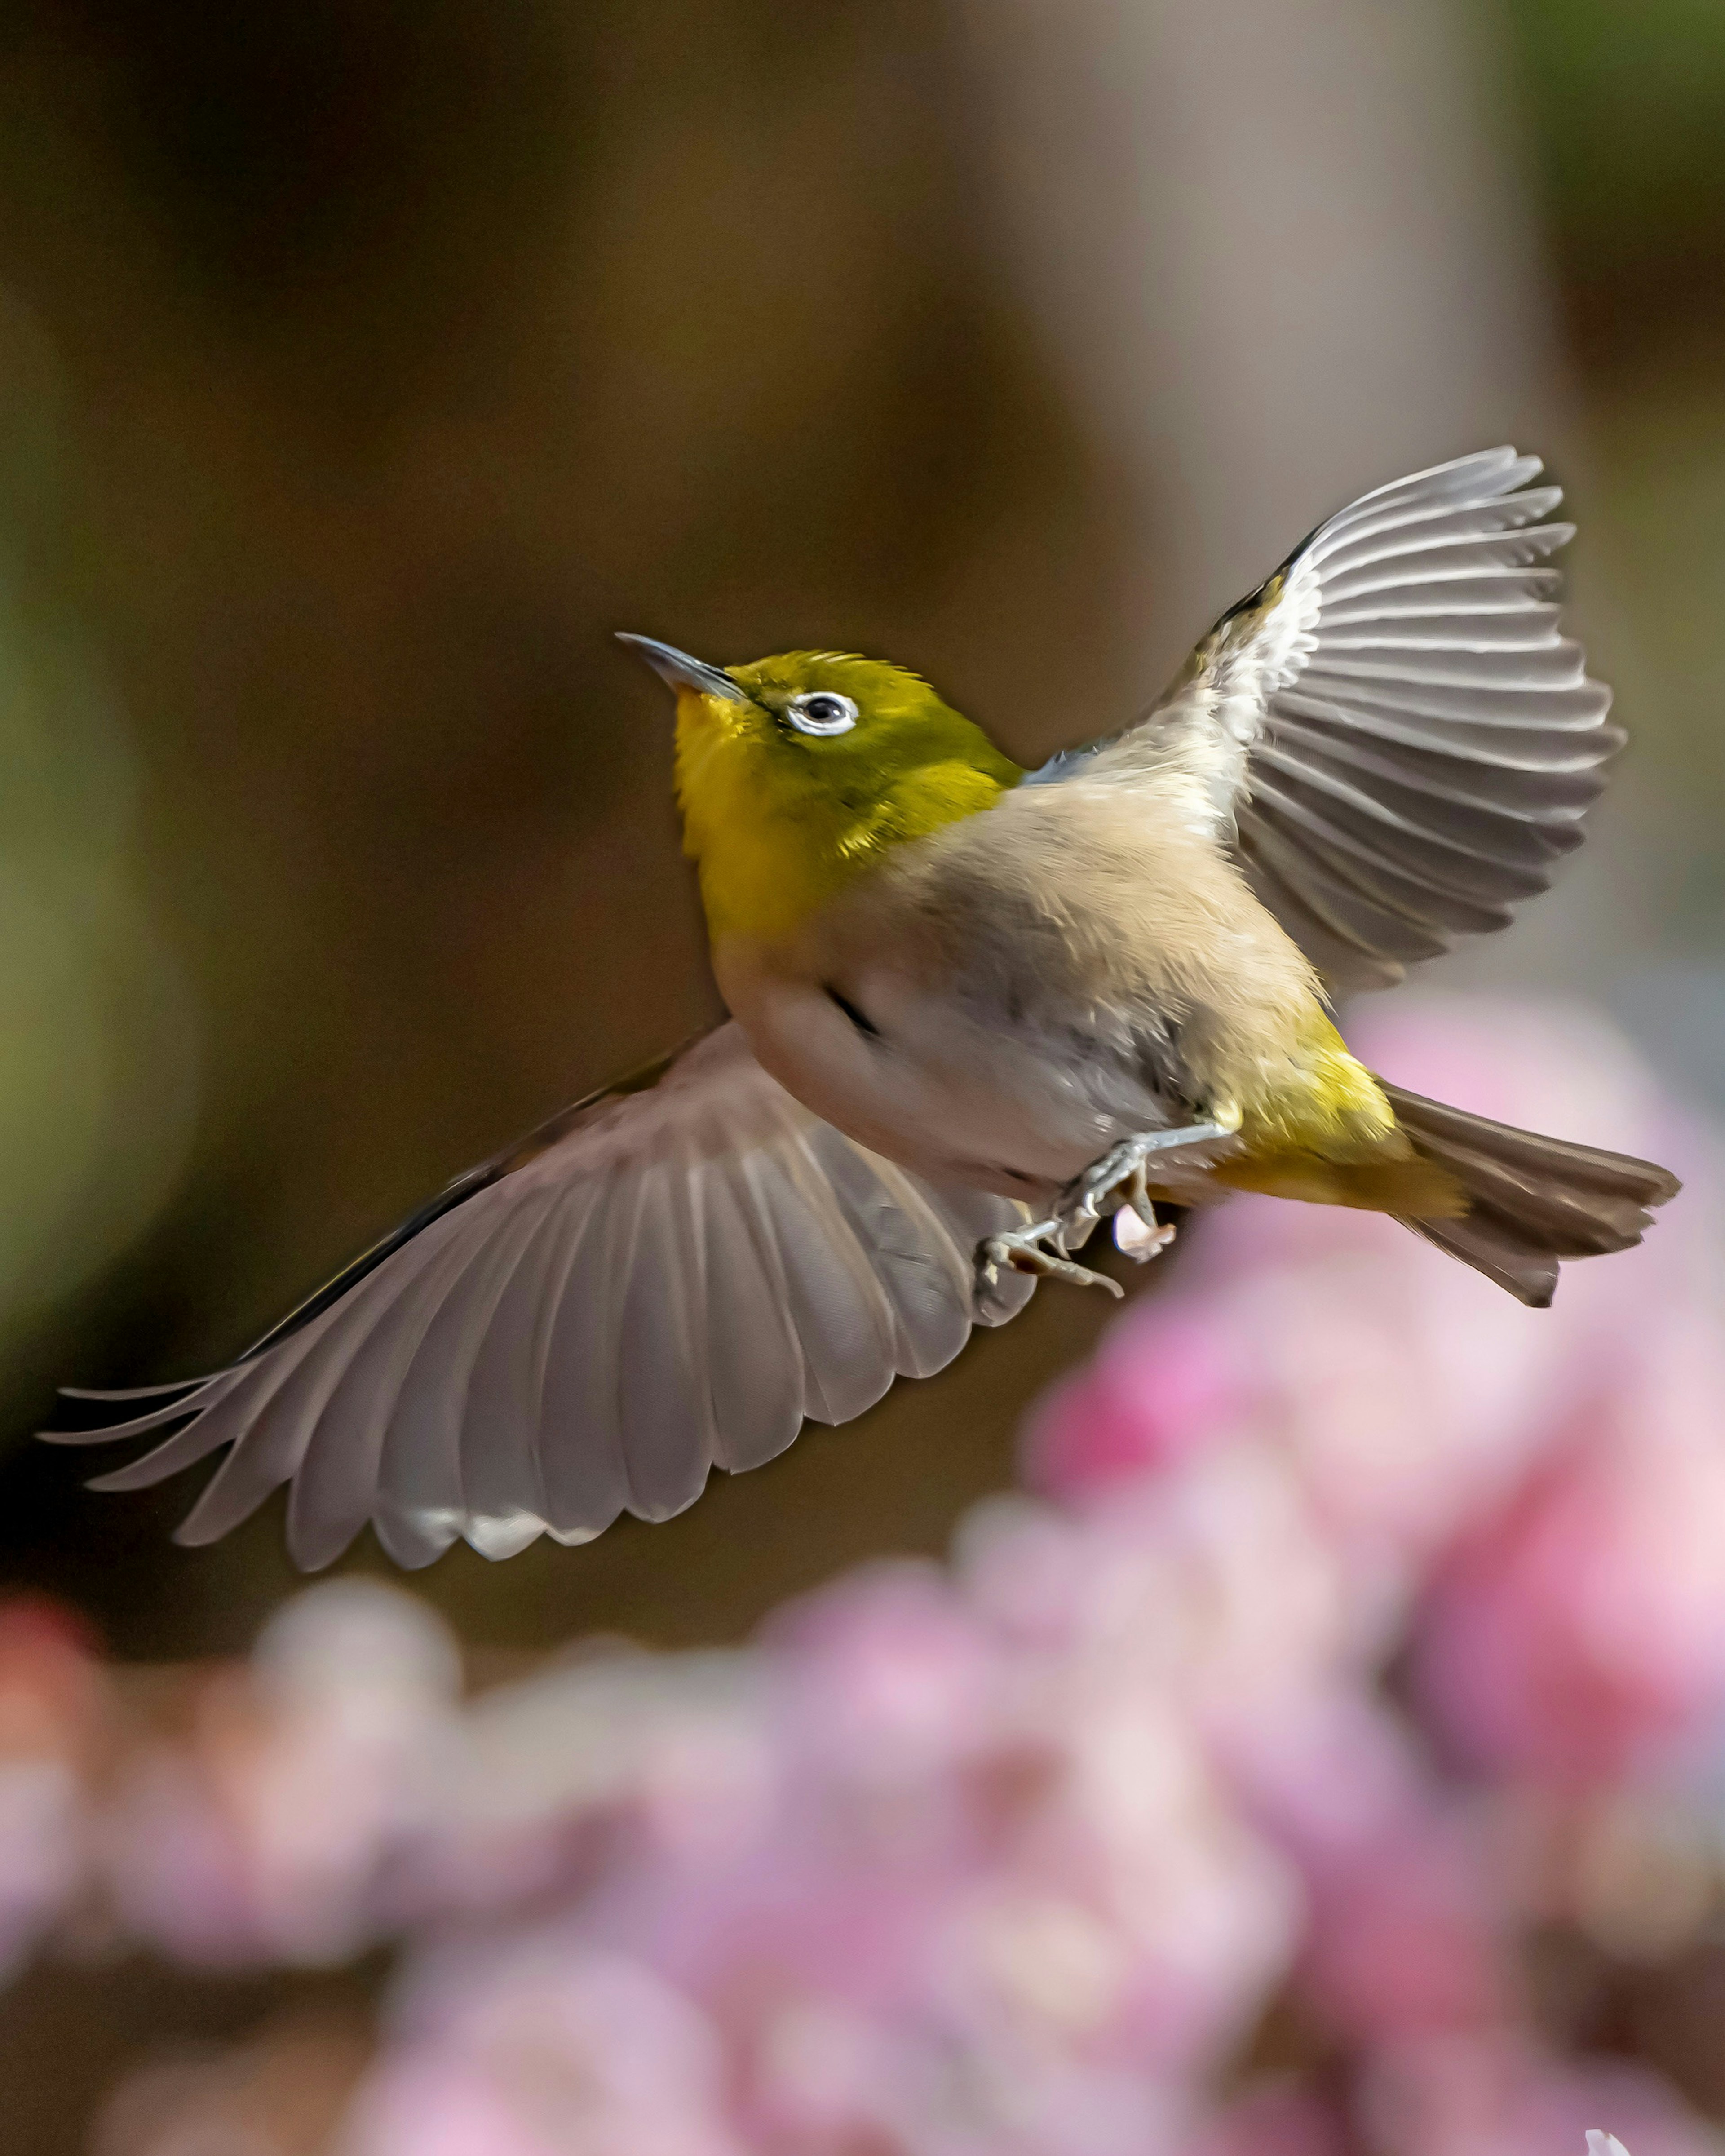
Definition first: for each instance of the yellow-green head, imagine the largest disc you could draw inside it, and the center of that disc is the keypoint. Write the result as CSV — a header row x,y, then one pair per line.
x,y
799,773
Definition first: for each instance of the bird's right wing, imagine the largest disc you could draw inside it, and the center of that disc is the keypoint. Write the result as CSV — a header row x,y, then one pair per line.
x,y
662,1281
1392,732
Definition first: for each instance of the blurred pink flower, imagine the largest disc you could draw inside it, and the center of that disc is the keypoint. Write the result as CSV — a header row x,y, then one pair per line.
x,y
1578,1633
1402,1939
826,2082
1404,1930
53,1699
1283,2117
1141,1403
1407,1392
304,1777
984,1850
613,1758
1214,1581
1498,2094
545,2049
885,1682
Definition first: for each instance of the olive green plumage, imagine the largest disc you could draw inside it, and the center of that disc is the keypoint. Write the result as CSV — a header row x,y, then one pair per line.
x,y
779,821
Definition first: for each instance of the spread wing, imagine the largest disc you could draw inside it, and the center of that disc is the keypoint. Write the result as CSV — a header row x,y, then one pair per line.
x,y
1392,731
660,1281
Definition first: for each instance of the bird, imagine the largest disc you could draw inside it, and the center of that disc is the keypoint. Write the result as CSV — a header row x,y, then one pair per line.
x,y
974,1011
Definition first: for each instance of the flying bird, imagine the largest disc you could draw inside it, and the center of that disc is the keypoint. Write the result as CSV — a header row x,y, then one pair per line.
x,y
974,1012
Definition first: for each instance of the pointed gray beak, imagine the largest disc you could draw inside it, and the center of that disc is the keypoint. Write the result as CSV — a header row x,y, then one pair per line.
x,y
681,672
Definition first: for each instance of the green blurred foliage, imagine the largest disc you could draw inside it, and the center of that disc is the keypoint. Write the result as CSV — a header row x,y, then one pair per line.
x,y
1621,113
1658,453
1626,101
97,1030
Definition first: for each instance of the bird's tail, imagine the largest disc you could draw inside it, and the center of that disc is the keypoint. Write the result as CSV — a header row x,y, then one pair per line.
x,y
1531,1200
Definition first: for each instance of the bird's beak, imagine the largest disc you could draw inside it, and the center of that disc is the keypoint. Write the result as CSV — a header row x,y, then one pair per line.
x,y
681,671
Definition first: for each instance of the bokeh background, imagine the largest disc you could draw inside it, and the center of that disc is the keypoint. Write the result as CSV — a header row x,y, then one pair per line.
x,y
363,365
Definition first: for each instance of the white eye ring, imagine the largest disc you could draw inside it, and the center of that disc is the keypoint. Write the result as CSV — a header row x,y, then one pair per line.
x,y
821,711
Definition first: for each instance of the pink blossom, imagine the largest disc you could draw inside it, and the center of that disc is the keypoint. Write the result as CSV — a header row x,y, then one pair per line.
x,y
826,2084
1404,1930
884,1680
547,2050
1407,1392
1579,1630
1402,1939
1498,2094
1215,1580
305,1773
1283,2117
613,1756
972,1848
1169,1377
52,1698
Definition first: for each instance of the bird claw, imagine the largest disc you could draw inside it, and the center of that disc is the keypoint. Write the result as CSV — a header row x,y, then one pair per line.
x,y
1138,1235
1117,1183
1039,1248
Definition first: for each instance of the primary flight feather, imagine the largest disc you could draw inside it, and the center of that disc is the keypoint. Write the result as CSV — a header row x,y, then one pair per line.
x,y
974,1011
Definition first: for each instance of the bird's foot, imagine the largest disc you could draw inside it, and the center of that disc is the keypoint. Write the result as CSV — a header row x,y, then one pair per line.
x,y
1039,1248
1118,1183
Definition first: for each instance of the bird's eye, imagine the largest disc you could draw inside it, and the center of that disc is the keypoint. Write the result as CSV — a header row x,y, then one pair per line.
x,y
821,711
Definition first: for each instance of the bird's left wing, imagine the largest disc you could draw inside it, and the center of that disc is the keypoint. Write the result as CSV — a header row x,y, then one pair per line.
x,y
666,1278
1391,733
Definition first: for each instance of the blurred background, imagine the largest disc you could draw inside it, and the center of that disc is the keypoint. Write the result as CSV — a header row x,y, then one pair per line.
x,y
365,365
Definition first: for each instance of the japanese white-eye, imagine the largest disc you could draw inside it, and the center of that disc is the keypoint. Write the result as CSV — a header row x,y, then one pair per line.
x,y
974,1010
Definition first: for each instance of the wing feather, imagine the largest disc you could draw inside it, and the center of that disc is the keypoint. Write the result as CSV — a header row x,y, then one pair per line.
x,y
924,1267
268,1419
501,1470
661,1406
754,1367
1489,595
579,1438
661,1280
847,1354
331,1495
1534,748
1394,733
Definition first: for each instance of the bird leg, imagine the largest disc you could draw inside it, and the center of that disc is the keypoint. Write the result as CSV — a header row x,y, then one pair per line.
x,y
1117,1183
1120,1178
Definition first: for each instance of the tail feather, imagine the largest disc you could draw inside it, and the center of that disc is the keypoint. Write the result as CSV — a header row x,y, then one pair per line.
x,y
1530,1275
1532,1200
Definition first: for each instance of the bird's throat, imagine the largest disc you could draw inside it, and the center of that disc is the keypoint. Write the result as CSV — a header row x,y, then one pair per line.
x,y
773,846
765,863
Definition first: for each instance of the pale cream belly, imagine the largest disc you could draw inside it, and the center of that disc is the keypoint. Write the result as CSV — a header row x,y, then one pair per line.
x,y
904,1074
